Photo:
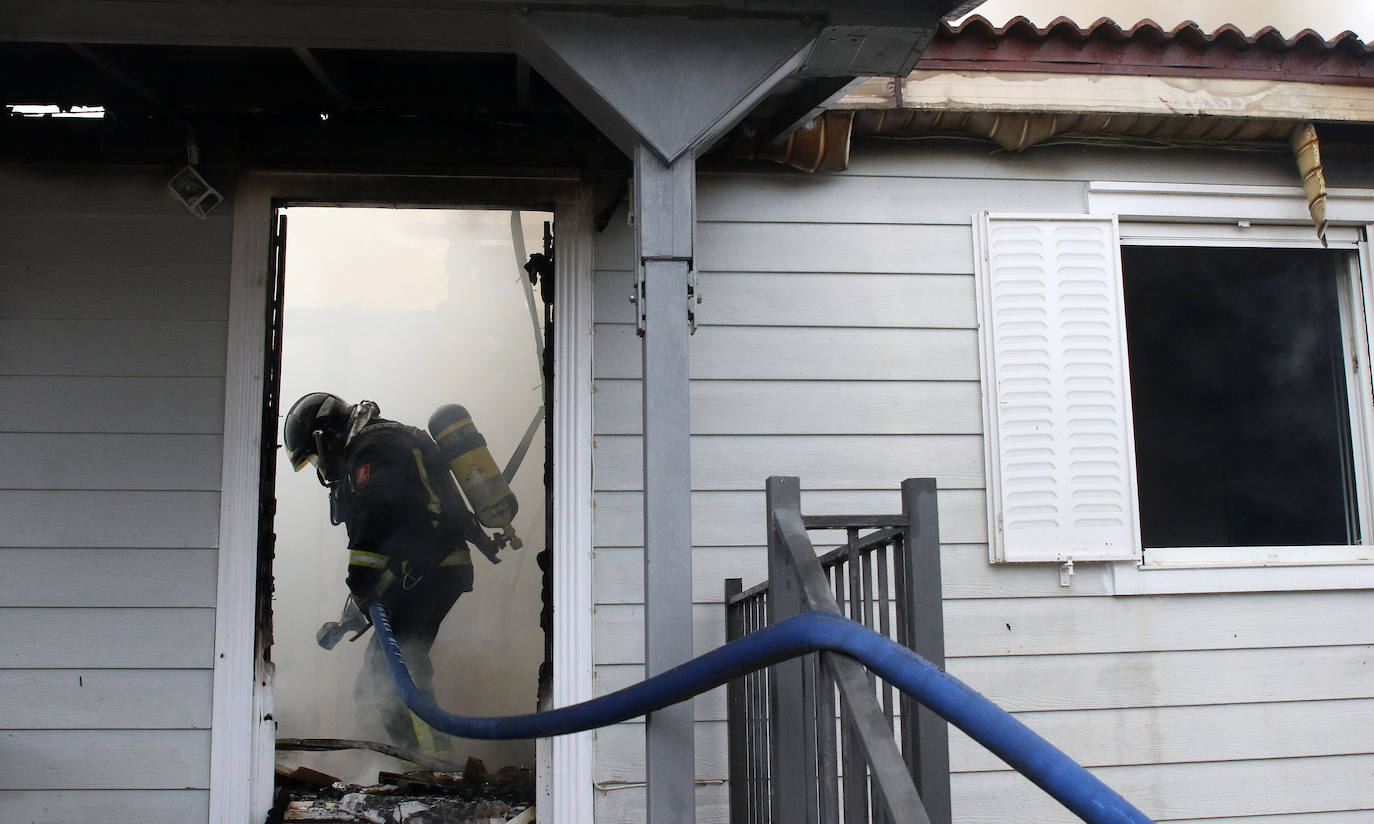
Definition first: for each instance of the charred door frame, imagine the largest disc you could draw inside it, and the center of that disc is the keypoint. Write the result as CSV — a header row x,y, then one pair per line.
x,y
243,734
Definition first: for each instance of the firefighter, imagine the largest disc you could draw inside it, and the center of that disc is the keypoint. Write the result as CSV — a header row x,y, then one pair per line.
x,y
408,536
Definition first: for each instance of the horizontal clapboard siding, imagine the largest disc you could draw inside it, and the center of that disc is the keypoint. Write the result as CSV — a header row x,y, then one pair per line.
x,y
625,803
145,637
1184,791
880,158
736,518
785,197
726,462
108,518
112,356
105,759
45,403
77,241
46,291
801,353
1036,626
1198,678
619,574
776,407
94,699
111,461
1177,735
814,247
1325,817
1166,679
837,341
58,191
621,752
991,629
124,348
106,806
107,577
804,298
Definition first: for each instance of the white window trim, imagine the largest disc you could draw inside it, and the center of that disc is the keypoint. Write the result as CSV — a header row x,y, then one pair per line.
x,y
1259,216
242,732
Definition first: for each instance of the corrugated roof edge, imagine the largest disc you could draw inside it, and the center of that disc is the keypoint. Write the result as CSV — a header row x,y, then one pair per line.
x,y
1104,28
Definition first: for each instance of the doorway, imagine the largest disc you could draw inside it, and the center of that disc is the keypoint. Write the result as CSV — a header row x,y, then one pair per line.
x,y
411,309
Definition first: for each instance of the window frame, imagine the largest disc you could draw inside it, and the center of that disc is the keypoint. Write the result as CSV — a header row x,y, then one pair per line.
x,y
1354,334
1261,217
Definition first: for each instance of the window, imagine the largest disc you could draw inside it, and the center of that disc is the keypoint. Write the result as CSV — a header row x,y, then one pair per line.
x,y
1188,395
1239,396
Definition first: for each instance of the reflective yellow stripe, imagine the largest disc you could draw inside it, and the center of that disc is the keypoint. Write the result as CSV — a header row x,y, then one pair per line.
x,y
423,736
357,557
453,427
384,582
434,505
458,557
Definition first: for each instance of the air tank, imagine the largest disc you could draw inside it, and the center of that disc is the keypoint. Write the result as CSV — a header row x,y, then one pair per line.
x,y
475,469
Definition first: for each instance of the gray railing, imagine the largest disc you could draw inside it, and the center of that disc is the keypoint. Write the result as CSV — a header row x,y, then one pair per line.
x,y
796,753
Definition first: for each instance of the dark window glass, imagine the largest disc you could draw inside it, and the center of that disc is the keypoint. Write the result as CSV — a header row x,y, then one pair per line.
x,y
1238,388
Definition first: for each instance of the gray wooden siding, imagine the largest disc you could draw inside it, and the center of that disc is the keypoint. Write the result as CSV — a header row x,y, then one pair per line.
x,y
112,349
838,342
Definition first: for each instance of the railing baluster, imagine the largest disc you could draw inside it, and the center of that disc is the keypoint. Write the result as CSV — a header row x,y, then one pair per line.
x,y
806,756
827,759
751,721
810,688
855,771
884,618
736,732
865,563
855,580
762,779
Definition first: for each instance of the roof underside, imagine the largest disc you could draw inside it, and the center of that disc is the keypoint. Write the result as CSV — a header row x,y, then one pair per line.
x,y
289,106
293,108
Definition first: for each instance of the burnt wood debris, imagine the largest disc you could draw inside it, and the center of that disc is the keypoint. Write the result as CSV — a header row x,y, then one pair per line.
x,y
466,795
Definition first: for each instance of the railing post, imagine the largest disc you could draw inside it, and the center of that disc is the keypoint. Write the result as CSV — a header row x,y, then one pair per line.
x,y
928,738
736,713
792,778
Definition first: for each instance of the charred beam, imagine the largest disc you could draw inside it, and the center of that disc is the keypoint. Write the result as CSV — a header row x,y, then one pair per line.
x,y
321,76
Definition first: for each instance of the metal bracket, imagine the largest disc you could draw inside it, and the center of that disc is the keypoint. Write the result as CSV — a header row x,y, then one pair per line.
x,y
693,300
641,286
637,299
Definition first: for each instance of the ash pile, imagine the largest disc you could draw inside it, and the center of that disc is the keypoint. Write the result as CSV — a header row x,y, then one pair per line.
x,y
472,796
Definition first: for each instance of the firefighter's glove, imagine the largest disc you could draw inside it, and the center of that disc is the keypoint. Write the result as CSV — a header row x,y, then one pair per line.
x,y
352,620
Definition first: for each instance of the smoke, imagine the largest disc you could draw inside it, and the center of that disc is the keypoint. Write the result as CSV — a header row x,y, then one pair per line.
x,y
412,309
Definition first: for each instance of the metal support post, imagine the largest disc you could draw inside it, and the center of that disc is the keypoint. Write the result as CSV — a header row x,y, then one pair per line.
x,y
928,737
791,732
664,203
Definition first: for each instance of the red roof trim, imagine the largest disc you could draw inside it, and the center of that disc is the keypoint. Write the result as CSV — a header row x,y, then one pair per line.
x,y
1106,27
1147,48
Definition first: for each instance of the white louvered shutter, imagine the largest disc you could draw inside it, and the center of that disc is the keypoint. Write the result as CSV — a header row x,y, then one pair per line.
x,y
1056,390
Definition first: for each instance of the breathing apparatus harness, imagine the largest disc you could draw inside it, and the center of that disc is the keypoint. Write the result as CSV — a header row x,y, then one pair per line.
x,y
331,446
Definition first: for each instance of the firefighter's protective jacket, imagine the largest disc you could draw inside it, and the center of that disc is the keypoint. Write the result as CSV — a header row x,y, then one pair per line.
x,y
402,509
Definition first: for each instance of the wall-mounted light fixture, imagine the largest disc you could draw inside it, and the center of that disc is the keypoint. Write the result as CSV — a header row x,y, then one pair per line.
x,y
193,192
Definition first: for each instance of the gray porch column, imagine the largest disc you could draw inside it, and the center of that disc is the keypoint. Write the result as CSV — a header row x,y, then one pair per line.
x,y
663,85
663,88
664,200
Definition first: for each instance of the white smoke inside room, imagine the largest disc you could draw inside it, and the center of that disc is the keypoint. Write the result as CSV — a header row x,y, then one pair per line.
x,y
412,309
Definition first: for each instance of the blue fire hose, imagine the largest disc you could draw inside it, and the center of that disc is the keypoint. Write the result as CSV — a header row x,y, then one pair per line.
x,y
985,722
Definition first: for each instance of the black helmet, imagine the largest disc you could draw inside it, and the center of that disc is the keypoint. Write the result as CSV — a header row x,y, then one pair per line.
x,y
317,423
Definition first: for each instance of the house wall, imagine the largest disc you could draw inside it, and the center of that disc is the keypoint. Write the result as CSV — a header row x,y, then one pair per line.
x,y
112,349
838,342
